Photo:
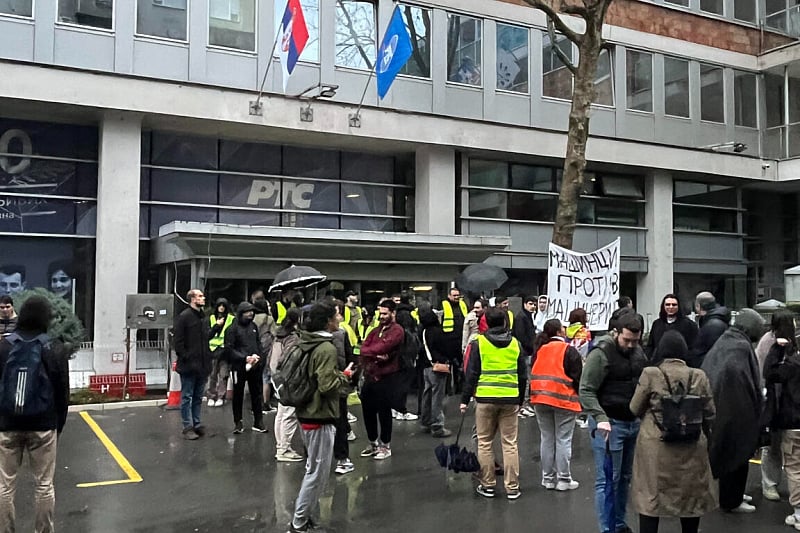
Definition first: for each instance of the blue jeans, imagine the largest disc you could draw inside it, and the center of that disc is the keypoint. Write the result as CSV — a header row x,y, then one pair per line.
x,y
192,387
622,444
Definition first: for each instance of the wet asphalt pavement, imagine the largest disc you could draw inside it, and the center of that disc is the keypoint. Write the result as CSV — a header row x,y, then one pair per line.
x,y
232,483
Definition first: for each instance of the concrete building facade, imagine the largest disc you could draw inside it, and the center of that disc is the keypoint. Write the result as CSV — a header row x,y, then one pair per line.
x,y
130,160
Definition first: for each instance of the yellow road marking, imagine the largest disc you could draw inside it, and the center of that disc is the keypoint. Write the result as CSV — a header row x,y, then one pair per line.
x,y
133,475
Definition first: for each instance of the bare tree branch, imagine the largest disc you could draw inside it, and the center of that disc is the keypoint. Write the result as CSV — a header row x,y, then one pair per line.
x,y
580,11
559,52
354,35
560,25
415,51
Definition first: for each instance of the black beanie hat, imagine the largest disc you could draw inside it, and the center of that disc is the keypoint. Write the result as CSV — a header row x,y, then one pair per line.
x,y
672,345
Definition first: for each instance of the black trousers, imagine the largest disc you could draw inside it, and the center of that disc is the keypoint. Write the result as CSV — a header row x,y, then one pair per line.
x,y
377,400
253,381
649,524
341,448
731,487
405,380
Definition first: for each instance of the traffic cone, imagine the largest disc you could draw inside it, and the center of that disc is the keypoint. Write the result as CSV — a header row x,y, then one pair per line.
x,y
174,393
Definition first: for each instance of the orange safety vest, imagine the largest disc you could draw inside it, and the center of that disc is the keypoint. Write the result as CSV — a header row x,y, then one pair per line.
x,y
550,385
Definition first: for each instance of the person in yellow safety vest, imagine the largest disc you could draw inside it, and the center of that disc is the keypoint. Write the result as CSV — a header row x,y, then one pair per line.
x,y
218,380
496,377
555,383
289,298
454,311
502,303
353,314
375,322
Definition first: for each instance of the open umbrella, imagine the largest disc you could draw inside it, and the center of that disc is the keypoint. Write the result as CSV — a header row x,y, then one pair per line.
x,y
481,277
296,277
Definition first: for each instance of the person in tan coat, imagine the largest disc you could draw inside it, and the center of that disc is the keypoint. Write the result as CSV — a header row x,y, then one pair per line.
x,y
671,479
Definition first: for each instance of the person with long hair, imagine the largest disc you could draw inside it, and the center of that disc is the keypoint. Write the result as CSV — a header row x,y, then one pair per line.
x,y
781,327
671,478
577,334
555,384
782,376
670,317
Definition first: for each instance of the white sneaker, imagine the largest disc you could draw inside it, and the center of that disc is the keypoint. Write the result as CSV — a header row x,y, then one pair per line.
x,y
352,418
384,452
396,415
410,416
289,456
793,520
744,508
218,403
771,494
345,466
747,498
549,485
351,436
211,402
567,485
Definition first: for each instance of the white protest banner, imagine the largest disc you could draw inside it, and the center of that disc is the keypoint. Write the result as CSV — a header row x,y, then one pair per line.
x,y
587,280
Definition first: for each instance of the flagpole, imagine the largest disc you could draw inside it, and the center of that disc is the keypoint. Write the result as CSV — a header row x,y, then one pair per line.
x,y
255,106
355,119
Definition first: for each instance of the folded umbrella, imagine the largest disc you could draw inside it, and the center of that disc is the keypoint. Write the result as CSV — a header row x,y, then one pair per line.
x,y
454,458
296,277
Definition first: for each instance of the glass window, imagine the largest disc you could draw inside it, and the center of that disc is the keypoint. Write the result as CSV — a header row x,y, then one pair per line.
x,y
623,186
488,204
684,3
418,24
639,76
464,54
712,95
184,151
372,168
355,34
676,87
488,173
232,24
249,157
704,219
744,97
774,99
532,178
610,212
603,80
556,78
534,207
366,199
94,14
691,192
162,18
310,162
711,6
311,15
794,101
22,8
744,10
512,58
183,186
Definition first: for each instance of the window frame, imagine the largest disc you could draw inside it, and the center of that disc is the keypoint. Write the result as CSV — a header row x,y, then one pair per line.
x,y
633,75
90,29
138,35
554,57
755,110
527,31
29,18
376,36
688,78
228,49
430,10
480,26
722,92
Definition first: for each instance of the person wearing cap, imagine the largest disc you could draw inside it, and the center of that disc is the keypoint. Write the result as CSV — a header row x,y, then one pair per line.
x,y
732,369
247,358
714,320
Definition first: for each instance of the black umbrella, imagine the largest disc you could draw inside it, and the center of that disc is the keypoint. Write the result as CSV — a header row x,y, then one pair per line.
x,y
296,277
454,458
481,277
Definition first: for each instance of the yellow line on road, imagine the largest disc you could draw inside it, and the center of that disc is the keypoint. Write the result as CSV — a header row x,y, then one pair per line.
x,y
133,475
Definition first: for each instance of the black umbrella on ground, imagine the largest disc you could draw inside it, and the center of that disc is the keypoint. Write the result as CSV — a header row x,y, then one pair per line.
x,y
481,277
296,277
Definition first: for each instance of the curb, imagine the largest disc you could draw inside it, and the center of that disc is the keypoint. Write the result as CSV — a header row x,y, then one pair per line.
x,y
111,406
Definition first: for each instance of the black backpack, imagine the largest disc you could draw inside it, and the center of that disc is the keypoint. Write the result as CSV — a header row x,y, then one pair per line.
x,y
681,413
409,350
25,389
292,381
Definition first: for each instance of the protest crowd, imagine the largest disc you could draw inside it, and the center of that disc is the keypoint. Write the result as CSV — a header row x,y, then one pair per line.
x,y
675,409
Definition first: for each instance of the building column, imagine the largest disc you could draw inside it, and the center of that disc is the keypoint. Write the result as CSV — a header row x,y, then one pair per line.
x,y
435,194
117,249
658,280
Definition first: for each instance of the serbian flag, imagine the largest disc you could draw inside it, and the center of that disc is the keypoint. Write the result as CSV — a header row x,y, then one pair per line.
x,y
293,38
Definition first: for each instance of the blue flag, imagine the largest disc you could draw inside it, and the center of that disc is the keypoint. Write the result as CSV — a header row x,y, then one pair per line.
x,y
393,54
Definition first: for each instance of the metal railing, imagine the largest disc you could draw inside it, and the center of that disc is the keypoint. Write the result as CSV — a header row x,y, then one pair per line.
x,y
785,21
782,142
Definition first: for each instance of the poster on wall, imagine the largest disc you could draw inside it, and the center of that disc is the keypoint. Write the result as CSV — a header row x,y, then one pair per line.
x,y
586,280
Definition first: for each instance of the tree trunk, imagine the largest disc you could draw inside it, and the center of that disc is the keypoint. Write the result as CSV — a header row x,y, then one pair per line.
x,y
577,136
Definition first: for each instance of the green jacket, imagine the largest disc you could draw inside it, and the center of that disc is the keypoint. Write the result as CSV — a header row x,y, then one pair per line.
x,y
324,408
595,370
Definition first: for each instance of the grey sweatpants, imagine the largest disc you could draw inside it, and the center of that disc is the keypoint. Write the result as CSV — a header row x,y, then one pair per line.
x,y
319,444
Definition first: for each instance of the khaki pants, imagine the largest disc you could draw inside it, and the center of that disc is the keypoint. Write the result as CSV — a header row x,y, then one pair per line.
x,y
41,447
790,446
491,418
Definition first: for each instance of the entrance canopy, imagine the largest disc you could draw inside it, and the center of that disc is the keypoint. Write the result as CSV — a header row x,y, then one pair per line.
x,y
257,251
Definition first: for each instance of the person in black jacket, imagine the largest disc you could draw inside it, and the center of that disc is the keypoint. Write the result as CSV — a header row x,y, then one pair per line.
x,y
670,317
714,321
525,332
36,434
191,336
435,349
243,348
